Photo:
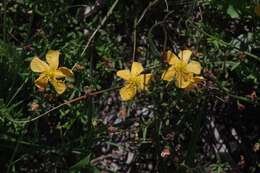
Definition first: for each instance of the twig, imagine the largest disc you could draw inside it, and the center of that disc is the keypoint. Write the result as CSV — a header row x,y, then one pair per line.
x,y
225,43
99,26
136,22
17,91
94,161
134,37
166,4
145,10
165,38
4,20
16,39
162,23
84,97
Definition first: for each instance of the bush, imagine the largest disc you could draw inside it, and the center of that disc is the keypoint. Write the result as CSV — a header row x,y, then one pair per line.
x,y
95,115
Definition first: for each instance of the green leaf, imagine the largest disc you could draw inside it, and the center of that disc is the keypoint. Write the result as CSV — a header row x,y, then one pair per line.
x,y
82,163
235,66
232,12
85,164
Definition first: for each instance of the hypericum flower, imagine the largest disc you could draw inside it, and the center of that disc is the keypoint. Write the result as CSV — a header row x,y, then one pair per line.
x,y
50,71
135,81
194,81
181,69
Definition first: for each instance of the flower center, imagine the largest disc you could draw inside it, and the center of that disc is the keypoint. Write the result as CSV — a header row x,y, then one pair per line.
x,y
181,67
134,82
181,72
51,74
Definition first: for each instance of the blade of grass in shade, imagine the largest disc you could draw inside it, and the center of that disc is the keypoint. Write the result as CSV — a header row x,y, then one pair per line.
x,y
4,21
17,91
153,47
192,146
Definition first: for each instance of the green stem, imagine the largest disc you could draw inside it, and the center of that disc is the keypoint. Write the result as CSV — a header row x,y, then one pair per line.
x,y
13,155
110,11
4,21
17,91
63,104
222,42
241,98
191,153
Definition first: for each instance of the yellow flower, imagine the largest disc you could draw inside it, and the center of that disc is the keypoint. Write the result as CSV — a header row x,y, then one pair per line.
x,y
50,71
182,70
135,81
195,80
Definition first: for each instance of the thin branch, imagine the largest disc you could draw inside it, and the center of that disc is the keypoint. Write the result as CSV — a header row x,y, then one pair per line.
x,y
17,91
4,20
94,161
80,98
222,42
99,26
136,23
166,4
134,38
145,10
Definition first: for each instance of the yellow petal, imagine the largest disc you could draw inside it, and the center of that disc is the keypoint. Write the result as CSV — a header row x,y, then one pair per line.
x,y
66,71
127,92
182,83
42,81
124,74
59,74
58,85
169,74
172,58
185,55
195,80
144,80
182,80
194,67
52,58
137,68
38,65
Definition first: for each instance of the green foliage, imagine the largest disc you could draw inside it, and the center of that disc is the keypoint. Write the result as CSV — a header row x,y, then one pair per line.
x,y
85,165
46,132
219,167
